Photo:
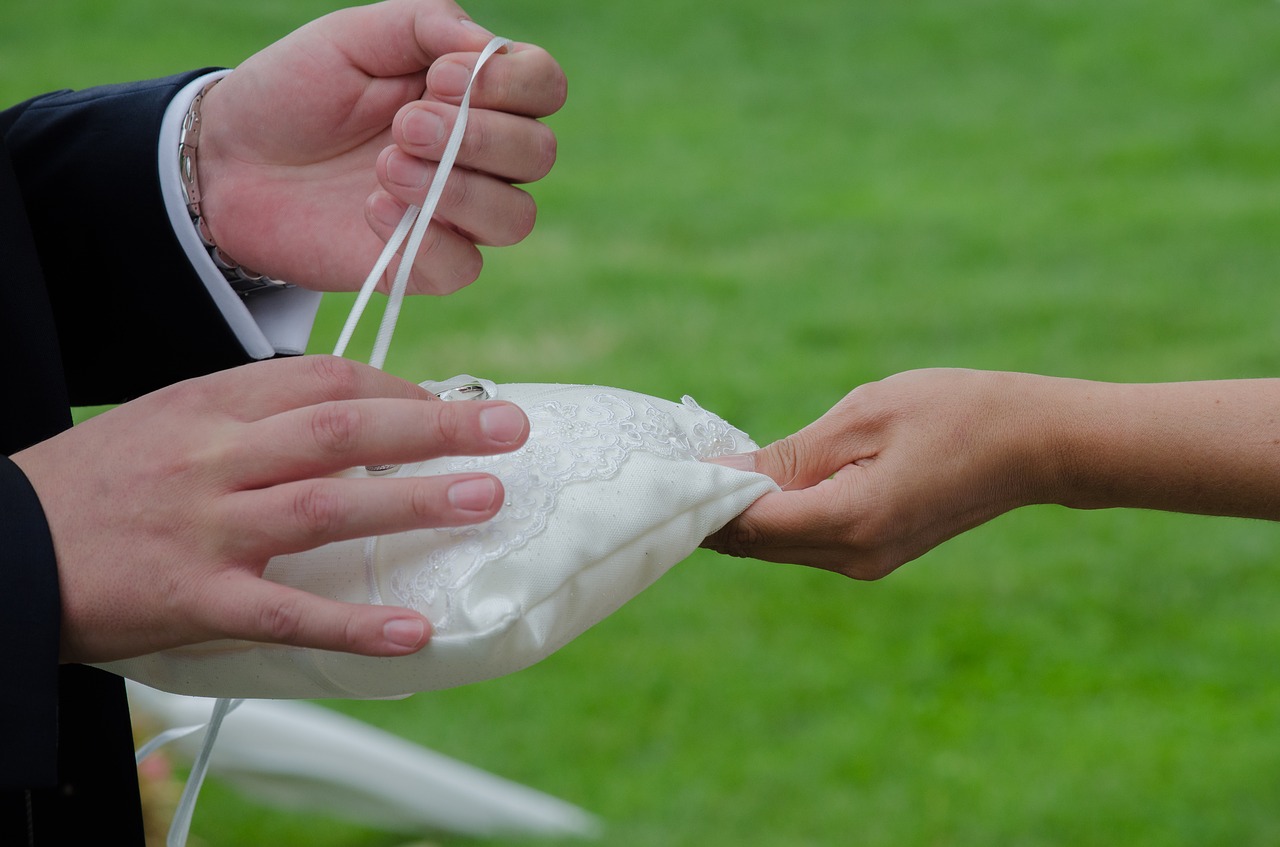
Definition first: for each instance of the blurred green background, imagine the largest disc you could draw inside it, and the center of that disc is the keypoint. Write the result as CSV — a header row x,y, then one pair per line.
x,y
763,205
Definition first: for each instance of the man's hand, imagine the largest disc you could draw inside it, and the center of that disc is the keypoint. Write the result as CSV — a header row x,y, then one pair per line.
x,y
165,511
295,141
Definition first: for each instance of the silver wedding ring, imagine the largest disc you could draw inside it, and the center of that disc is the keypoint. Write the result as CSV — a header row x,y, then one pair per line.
x,y
469,391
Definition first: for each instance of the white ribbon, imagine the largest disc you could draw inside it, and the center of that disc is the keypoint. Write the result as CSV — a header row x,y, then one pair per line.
x,y
413,226
181,825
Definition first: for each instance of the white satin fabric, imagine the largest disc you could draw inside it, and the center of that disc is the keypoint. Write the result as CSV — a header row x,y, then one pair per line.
x,y
310,759
607,495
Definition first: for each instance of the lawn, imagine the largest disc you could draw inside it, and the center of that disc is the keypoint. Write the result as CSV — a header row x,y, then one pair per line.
x,y
764,206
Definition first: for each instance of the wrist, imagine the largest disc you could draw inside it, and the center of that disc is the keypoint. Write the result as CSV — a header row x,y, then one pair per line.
x,y
1022,437
1200,447
994,436
1084,434
200,169
1026,437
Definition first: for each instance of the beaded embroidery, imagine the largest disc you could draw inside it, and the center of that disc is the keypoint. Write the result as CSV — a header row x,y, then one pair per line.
x,y
569,442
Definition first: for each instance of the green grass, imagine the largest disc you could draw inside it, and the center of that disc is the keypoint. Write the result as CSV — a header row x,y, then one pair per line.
x,y
764,205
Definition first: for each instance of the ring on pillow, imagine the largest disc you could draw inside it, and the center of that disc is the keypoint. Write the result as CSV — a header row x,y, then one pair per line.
x,y
608,493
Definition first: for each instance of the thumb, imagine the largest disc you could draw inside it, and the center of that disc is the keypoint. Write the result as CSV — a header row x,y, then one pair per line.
x,y
260,610
393,39
442,28
797,461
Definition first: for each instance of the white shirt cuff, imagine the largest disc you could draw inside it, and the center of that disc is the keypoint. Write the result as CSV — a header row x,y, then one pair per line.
x,y
266,324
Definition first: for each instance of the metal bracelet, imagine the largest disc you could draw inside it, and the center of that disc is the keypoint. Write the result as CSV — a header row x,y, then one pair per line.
x,y
242,279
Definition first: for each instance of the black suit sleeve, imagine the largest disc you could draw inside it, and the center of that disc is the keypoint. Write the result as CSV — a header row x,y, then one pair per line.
x,y
29,625
35,399
131,313
97,304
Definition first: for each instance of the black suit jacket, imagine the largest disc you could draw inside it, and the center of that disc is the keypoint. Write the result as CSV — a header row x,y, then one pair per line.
x,y
98,304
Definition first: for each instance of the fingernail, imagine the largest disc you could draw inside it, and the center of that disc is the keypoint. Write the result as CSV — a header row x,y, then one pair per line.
x,y
386,210
503,424
405,632
448,79
473,495
423,128
407,171
472,25
737,461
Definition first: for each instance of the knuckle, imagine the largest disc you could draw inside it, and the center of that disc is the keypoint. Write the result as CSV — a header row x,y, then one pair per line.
x,y
422,505
858,557
441,268
738,538
459,191
547,151
339,378
869,401
522,214
503,86
872,566
549,79
192,393
785,458
352,633
447,426
206,396
281,621
317,511
526,211
870,547
199,463
559,91
335,428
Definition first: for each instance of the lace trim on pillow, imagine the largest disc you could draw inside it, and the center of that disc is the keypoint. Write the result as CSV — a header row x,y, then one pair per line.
x,y
568,443
412,226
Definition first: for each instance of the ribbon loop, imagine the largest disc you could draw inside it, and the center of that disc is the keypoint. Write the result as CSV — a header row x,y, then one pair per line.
x,y
409,232
413,226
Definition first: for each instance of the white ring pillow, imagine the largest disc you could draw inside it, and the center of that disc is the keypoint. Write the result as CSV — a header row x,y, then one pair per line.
x,y
609,492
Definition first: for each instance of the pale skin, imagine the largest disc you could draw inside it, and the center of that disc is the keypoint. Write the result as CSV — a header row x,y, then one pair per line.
x,y
312,149
899,466
165,510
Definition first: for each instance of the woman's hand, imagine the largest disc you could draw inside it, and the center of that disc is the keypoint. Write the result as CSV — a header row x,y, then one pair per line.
x,y
894,469
899,466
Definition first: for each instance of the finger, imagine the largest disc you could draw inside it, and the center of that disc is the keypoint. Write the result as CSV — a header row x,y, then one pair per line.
x,y
446,261
256,609
523,81
798,527
300,516
847,524
328,437
849,432
263,389
795,462
392,39
504,145
479,207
